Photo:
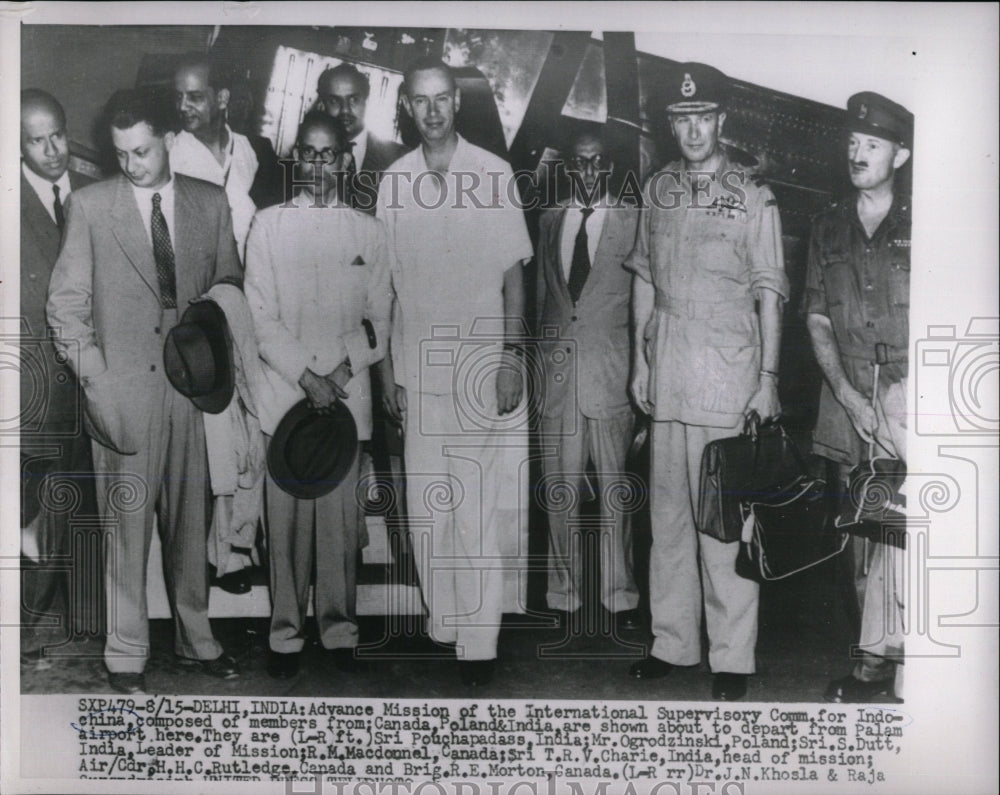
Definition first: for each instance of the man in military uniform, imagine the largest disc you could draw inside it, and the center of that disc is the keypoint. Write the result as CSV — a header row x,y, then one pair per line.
x,y
857,297
708,295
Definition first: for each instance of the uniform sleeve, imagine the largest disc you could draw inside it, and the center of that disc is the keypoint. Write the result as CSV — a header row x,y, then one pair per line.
x,y
767,259
277,345
378,308
814,298
71,297
638,259
508,232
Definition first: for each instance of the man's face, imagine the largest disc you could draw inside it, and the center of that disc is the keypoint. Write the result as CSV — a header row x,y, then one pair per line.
x,y
198,104
143,155
872,161
344,97
697,134
44,145
432,100
319,149
592,166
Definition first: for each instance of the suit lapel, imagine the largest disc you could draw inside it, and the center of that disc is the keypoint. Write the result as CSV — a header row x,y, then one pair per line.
x,y
130,233
186,229
605,243
38,220
556,263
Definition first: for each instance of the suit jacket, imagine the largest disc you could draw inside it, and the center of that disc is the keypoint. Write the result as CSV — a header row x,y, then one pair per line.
x,y
585,349
104,298
50,398
379,155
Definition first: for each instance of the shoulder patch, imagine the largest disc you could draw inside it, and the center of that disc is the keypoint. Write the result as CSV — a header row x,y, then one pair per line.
x,y
771,203
757,179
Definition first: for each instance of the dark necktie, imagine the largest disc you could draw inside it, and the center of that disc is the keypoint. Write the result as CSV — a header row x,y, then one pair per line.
x,y
163,253
579,269
350,173
58,208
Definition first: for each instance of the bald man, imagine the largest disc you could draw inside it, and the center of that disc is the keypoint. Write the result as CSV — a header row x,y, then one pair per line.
x,y
55,450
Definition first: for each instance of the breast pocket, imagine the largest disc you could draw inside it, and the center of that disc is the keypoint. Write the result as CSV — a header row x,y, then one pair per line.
x,y
841,290
899,282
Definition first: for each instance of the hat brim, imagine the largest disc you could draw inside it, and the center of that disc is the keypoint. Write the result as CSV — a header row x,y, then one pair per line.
x,y
693,107
303,421
860,126
209,316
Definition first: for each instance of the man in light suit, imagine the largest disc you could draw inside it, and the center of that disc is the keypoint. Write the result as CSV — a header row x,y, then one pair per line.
x,y
137,249
343,93
583,305
319,291
53,444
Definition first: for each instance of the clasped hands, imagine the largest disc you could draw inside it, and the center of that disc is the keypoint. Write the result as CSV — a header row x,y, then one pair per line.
x,y
323,391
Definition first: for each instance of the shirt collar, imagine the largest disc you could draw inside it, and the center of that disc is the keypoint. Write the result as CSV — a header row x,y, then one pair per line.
x,y
146,194
43,187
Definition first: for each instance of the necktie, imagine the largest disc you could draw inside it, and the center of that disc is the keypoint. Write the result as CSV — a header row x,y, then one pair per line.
x,y
163,253
579,269
58,208
350,173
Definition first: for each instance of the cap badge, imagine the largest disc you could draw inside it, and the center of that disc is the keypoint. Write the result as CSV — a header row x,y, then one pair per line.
x,y
863,111
688,87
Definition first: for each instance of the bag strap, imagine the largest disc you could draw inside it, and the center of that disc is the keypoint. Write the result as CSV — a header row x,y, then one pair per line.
x,y
751,427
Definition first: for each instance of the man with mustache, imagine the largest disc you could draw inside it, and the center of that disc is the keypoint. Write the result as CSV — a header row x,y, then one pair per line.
x,y
858,296
207,148
343,93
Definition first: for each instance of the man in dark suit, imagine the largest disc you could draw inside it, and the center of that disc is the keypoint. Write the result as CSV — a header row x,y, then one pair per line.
x,y
343,93
583,304
137,249
55,452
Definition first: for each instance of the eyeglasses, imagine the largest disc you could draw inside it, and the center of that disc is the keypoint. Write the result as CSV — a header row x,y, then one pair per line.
x,y
599,162
327,155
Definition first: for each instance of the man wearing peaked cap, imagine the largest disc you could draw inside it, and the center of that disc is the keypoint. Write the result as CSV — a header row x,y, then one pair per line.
x,y
696,88
707,302
857,297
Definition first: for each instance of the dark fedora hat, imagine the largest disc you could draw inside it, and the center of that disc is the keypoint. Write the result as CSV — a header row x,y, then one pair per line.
x,y
198,357
311,451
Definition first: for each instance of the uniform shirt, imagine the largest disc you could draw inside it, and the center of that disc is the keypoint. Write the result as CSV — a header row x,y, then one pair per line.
x,y
863,286
312,276
236,174
451,239
43,189
571,227
708,243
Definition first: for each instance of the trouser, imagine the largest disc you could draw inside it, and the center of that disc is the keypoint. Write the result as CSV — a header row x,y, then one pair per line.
x,y
167,479
62,584
324,530
605,441
463,516
675,593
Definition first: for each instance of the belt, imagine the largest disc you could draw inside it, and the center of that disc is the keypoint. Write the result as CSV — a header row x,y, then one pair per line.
x,y
701,310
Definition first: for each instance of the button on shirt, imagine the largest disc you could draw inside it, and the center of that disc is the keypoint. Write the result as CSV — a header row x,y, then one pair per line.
x,y
43,188
571,226
708,243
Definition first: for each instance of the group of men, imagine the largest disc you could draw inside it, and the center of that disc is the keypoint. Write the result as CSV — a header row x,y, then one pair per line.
x,y
628,299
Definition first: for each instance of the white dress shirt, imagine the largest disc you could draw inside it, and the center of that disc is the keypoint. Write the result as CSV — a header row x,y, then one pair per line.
x,y
144,198
571,225
43,188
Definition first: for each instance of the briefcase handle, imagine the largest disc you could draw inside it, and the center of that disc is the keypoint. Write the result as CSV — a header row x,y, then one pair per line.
x,y
752,426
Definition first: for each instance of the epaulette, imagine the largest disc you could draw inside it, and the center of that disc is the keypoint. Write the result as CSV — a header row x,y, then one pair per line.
x,y
758,179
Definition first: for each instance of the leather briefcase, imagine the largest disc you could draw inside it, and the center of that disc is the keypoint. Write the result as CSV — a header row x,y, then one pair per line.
x,y
763,460
788,532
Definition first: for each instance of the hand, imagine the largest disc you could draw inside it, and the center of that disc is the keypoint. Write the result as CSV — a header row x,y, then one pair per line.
x,y
639,385
339,379
394,402
862,415
320,391
765,400
510,384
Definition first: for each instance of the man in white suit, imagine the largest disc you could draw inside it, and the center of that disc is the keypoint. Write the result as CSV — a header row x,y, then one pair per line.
x,y
316,271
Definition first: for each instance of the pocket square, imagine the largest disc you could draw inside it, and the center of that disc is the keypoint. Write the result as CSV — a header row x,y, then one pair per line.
x,y
358,260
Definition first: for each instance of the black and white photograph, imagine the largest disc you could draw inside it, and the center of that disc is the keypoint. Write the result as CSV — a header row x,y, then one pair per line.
x,y
485,397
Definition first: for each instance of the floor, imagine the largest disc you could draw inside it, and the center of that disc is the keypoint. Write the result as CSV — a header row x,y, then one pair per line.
x,y
804,641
